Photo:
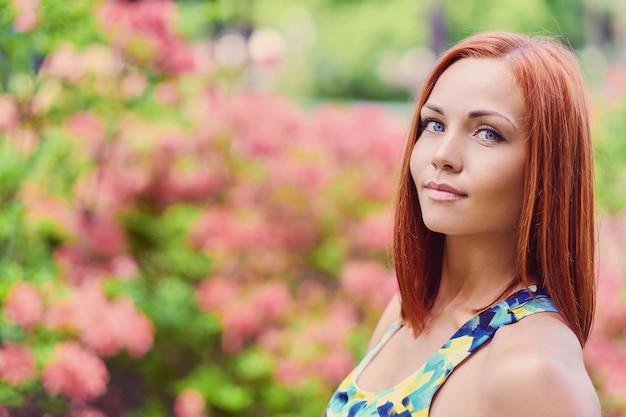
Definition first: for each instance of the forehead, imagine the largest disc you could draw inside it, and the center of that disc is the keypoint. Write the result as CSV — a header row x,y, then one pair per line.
x,y
479,84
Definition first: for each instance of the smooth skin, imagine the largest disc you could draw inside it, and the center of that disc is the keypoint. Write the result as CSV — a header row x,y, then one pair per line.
x,y
468,168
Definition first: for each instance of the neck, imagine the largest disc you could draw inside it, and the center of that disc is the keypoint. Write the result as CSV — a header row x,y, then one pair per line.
x,y
475,270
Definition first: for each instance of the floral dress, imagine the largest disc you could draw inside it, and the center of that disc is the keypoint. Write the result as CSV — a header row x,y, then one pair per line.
x,y
412,397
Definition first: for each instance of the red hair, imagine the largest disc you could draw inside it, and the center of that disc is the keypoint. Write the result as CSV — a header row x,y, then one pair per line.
x,y
556,241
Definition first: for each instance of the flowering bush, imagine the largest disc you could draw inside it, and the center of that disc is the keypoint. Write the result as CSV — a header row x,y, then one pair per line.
x,y
180,250
174,245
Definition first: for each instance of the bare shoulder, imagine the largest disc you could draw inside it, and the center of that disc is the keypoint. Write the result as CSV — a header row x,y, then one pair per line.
x,y
535,368
389,316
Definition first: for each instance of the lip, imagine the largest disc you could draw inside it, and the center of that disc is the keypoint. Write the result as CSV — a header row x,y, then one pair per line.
x,y
443,192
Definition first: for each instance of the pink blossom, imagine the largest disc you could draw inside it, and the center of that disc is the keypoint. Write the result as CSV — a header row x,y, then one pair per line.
x,y
167,93
24,139
134,84
369,281
104,326
43,208
194,184
88,127
179,58
152,22
240,321
189,403
101,235
271,300
76,264
334,366
336,326
75,373
222,230
270,339
17,363
78,309
101,61
26,18
203,58
86,412
118,326
118,184
9,114
216,293
374,232
23,305
64,63
615,81
290,372
124,266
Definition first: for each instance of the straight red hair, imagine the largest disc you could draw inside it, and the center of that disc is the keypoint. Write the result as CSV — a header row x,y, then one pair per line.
x,y
556,243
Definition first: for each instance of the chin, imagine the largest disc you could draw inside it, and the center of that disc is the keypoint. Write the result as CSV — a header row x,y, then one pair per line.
x,y
444,226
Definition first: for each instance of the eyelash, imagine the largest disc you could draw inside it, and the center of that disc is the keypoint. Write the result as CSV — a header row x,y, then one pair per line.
x,y
424,123
498,136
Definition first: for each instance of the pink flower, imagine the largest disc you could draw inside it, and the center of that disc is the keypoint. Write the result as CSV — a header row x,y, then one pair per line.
x,y
271,300
76,311
221,230
189,403
375,232
75,373
17,363
334,366
76,265
152,23
24,139
45,209
124,266
26,18
87,127
332,332
167,93
101,235
9,115
270,339
86,412
216,293
118,326
290,372
64,63
369,281
106,327
23,305
134,84
240,321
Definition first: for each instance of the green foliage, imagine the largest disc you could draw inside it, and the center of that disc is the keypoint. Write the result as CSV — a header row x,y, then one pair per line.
x,y
354,39
609,126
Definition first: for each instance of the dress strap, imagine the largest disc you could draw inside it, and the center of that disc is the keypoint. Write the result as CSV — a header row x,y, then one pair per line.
x,y
478,330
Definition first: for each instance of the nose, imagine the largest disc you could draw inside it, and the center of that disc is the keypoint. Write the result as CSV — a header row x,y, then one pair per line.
x,y
448,154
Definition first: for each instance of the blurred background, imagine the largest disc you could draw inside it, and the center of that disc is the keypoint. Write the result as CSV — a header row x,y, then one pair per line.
x,y
196,196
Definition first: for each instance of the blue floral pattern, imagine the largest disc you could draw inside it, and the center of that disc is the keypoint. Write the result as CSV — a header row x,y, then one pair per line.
x,y
413,396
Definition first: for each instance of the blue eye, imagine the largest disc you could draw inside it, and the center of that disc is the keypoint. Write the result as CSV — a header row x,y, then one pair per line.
x,y
432,125
488,134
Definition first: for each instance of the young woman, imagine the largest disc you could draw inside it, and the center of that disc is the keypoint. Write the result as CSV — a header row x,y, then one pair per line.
x,y
493,244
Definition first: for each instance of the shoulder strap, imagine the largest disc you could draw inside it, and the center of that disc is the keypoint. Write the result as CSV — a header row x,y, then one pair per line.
x,y
474,333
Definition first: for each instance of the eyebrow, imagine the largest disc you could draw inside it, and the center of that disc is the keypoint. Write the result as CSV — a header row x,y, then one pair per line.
x,y
474,114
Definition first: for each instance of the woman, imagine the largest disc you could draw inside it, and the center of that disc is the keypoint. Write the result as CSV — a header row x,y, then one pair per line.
x,y
493,244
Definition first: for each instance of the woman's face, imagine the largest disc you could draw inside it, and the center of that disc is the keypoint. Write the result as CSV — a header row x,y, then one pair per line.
x,y
468,163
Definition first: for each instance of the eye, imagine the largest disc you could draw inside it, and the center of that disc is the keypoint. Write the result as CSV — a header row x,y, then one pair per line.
x,y
488,134
432,125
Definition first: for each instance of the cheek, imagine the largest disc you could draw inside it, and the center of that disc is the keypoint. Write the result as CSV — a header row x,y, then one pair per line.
x,y
507,190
